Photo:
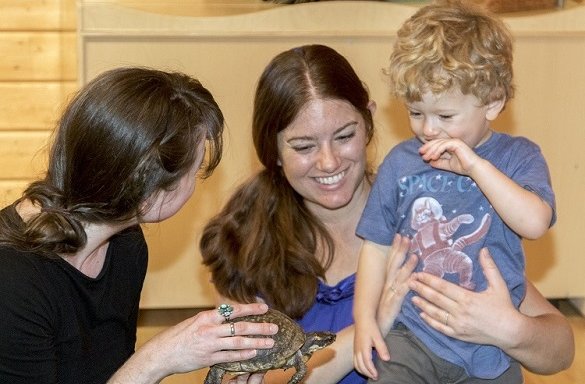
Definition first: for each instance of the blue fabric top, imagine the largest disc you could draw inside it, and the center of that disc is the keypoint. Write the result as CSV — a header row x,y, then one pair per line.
x,y
332,311
448,220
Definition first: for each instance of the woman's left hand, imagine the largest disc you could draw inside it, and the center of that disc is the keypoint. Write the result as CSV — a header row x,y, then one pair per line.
x,y
463,314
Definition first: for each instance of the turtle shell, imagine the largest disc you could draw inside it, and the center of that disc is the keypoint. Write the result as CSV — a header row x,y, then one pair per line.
x,y
289,339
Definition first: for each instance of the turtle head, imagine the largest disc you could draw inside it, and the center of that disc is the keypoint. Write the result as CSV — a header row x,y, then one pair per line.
x,y
316,341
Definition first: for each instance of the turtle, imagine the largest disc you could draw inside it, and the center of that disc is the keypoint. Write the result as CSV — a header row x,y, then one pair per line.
x,y
292,348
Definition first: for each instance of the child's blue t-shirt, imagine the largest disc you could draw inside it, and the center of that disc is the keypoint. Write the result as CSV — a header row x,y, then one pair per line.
x,y
449,220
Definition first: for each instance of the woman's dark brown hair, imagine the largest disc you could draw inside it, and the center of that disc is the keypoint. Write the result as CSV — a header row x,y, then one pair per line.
x,y
128,134
264,243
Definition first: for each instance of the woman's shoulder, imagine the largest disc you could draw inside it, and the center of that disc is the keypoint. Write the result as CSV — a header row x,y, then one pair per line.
x,y
25,278
14,262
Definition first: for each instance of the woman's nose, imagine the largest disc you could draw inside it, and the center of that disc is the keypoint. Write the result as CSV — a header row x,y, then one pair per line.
x,y
328,159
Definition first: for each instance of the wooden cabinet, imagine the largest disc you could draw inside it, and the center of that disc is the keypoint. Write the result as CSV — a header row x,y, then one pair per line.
x,y
38,70
227,53
226,45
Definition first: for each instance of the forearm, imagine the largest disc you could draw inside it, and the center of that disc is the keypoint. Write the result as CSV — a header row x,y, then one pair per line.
x,y
522,210
143,367
544,344
544,338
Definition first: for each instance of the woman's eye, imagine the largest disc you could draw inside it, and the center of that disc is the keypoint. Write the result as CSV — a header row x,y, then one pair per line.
x,y
302,148
346,136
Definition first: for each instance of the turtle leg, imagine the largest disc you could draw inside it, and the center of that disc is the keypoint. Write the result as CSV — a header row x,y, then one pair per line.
x,y
301,369
214,376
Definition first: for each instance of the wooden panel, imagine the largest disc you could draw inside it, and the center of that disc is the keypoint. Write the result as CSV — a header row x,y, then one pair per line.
x,y
38,56
548,108
33,105
23,154
518,5
196,8
37,15
550,50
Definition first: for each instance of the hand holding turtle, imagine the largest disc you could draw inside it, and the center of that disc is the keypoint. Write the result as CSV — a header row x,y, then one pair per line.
x,y
200,341
292,348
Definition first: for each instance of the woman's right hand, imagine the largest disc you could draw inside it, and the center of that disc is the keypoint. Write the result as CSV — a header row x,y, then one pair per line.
x,y
205,339
200,341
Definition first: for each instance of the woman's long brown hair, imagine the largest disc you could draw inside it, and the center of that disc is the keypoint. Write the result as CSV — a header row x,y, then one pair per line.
x,y
265,243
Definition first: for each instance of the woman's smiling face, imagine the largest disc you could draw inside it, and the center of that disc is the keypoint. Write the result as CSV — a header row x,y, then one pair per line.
x,y
323,153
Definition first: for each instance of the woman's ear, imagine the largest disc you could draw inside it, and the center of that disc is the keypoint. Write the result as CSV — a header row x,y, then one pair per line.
x,y
372,107
495,108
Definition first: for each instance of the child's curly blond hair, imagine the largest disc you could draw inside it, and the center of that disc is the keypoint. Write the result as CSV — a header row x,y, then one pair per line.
x,y
452,45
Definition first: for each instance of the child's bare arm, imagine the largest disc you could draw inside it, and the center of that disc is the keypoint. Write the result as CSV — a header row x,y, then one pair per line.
x,y
522,210
370,280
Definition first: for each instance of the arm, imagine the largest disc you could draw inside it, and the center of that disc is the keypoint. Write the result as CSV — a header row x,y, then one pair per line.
x,y
554,348
197,342
370,279
522,210
537,335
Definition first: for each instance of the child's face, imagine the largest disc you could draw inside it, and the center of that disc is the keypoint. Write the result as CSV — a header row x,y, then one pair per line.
x,y
452,115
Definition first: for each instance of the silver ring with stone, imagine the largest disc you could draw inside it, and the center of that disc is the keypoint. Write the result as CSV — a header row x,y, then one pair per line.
x,y
225,310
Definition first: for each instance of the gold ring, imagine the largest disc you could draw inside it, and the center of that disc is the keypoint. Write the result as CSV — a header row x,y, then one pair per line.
x,y
393,289
232,329
447,319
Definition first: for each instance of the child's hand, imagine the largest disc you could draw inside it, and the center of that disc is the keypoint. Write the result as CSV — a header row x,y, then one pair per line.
x,y
368,338
450,155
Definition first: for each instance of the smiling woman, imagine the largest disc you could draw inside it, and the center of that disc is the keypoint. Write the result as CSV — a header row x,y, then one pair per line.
x,y
312,121
321,153
287,236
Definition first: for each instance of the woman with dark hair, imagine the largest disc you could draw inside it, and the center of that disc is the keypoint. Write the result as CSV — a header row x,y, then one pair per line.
x,y
73,257
287,236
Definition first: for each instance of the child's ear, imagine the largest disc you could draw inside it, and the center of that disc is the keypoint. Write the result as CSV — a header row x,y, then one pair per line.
x,y
494,108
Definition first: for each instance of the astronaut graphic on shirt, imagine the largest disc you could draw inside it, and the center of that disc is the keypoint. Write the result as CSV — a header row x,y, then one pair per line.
x,y
434,244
